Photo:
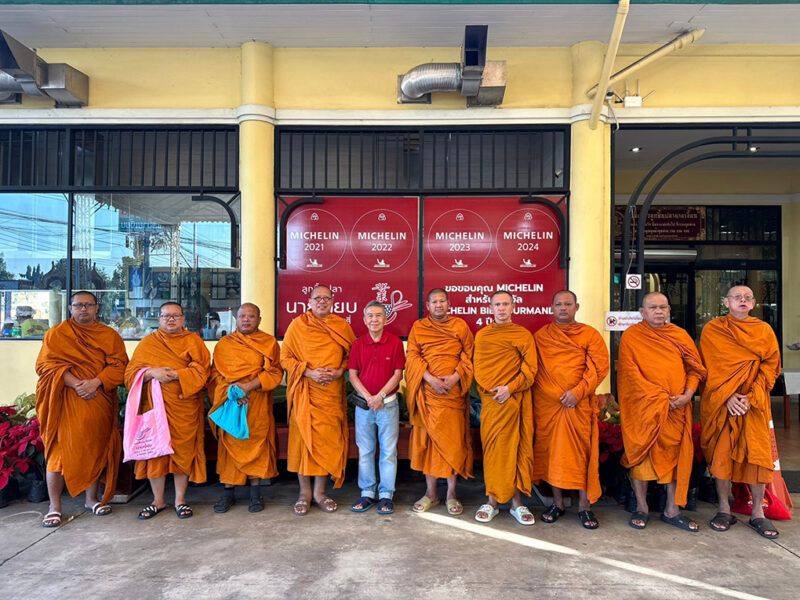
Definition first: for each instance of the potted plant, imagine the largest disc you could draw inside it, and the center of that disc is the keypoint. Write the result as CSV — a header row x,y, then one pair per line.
x,y
21,451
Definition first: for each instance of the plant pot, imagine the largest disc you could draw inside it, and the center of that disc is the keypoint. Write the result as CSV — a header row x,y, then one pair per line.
x,y
9,493
38,491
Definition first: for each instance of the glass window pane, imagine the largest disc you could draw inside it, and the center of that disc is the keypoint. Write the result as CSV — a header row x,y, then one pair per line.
x,y
141,250
33,262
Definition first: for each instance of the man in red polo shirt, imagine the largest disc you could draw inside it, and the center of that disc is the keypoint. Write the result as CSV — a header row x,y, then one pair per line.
x,y
376,366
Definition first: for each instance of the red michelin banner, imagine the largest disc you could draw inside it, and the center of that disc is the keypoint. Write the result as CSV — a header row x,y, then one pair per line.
x,y
363,249
368,249
476,246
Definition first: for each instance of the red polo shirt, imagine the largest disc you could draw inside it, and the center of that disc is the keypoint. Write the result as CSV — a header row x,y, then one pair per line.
x,y
376,361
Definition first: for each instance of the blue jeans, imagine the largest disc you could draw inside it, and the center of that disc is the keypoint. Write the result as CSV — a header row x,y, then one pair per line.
x,y
381,426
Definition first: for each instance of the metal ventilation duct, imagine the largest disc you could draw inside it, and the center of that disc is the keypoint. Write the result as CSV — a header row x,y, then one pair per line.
x,y
23,72
482,83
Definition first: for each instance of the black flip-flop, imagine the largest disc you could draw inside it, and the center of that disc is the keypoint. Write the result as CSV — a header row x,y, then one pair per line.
x,y
763,526
639,516
184,511
552,514
680,522
586,517
722,521
150,511
363,504
385,506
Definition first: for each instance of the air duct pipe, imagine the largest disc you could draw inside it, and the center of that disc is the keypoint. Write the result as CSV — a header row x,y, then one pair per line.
x,y
431,77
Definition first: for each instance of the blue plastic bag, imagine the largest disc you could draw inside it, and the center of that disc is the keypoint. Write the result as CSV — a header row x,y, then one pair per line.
x,y
232,417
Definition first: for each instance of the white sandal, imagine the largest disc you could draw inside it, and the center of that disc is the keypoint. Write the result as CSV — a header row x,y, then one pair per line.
x,y
519,512
490,511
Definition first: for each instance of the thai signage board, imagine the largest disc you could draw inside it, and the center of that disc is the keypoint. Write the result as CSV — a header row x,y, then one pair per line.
x,y
667,223
370,249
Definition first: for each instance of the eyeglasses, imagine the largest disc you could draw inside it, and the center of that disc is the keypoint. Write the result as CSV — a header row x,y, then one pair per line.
x,y
170,317
82,305
322,298
739,298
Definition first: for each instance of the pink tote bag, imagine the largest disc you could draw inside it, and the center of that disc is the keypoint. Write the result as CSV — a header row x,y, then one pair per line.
x,y
147,435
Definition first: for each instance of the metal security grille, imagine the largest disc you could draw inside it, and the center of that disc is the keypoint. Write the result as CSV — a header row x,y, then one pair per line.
x,y
119,159
422,160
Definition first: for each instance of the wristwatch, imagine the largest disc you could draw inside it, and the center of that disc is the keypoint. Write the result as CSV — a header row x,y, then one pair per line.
x,y
383,396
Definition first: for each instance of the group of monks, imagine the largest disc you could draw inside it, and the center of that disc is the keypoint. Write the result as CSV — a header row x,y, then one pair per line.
x,y
539,410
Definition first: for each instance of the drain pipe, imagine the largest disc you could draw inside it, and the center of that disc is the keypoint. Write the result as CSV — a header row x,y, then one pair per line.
x,y
682,41
608,63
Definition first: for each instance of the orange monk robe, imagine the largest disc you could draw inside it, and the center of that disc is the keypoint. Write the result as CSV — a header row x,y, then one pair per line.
x,y
318,430
654,364
565,453
183,400
81,437
744,357
506,355
441,444
239,357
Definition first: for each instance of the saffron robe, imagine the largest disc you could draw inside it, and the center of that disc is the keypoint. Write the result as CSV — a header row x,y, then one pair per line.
x,y
239,357
318,430
565,452
81,437
440,444
741,356
654,364
183,400
505,354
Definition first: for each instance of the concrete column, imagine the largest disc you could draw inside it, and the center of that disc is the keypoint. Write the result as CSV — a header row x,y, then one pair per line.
x,y
257,181
590,194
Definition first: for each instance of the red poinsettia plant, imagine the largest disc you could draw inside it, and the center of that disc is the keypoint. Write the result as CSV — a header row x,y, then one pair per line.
x,y
610,439
21,447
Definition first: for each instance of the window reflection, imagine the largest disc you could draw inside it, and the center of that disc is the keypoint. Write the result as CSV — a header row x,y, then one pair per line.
x,y
141,250
135,251
33,262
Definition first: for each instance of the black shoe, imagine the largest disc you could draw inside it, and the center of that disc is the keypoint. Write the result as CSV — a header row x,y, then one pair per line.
x,y
224,504
256,504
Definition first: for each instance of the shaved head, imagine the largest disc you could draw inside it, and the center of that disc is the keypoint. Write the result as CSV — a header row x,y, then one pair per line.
x,y
652,296
559,292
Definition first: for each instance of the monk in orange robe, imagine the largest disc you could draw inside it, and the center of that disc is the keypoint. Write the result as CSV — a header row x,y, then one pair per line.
x,y
505,365
80,366
180,361
573,361
438,378
249,359
743,360
314,353
658,372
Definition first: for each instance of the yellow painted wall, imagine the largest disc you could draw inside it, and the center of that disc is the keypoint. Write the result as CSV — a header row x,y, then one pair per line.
x,y
717,75
366,78
156,77
732,181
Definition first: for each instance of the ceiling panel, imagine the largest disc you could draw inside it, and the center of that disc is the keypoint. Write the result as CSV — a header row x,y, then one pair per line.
x,y
45,26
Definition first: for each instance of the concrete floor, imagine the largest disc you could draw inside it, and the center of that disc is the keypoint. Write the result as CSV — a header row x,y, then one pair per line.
x,y
275,554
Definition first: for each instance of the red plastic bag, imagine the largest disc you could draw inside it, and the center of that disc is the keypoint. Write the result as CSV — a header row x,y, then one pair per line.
x,y
147,435
743,503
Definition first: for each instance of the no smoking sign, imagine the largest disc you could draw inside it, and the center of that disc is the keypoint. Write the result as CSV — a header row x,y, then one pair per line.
x,y
633,281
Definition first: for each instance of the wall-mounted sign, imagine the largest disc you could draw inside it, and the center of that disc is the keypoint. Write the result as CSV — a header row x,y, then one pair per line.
x,y
368,249
633,281
362,248
620,320
476,246
667,223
